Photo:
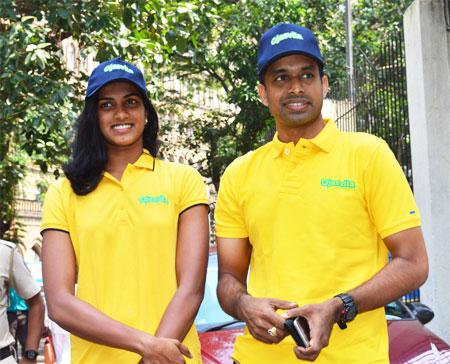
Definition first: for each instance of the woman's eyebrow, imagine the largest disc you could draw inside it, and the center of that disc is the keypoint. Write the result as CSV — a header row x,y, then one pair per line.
x,y
132,94
125,96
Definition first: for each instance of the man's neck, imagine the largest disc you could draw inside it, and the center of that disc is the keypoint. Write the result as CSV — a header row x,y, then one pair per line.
x,y
294,134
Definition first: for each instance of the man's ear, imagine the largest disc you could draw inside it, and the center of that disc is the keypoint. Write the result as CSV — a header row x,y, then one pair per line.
x,y
263,94
325,86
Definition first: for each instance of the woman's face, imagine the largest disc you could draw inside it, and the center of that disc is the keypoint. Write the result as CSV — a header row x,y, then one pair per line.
x,y
121,115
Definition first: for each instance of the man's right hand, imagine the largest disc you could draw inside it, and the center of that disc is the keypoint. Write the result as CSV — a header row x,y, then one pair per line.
x,y
260,315
160,350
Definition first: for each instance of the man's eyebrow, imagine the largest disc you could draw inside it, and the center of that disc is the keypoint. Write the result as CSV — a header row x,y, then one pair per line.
x,y
284,69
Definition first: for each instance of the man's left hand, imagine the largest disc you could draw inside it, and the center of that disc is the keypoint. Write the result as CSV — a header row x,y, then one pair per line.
x,y
321,318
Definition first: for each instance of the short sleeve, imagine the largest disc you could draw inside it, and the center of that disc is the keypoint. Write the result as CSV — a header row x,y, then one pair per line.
x,y
389,197
229,218
192,189
53,213
22,280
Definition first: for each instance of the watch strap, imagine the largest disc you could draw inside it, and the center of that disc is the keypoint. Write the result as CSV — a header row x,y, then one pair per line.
x,y
348,312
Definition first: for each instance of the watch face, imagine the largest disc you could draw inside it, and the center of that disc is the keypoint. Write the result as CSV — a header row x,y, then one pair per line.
x,y
30,354
351,313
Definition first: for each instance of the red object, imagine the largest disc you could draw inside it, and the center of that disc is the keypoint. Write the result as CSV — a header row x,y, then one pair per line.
x,y
412,342
217,346
49,351
409,341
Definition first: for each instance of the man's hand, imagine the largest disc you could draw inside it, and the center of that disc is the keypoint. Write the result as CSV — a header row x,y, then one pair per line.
x,y
260,315
321,318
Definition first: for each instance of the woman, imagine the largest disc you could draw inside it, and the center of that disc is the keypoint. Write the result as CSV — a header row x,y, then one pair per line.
x,y
129,229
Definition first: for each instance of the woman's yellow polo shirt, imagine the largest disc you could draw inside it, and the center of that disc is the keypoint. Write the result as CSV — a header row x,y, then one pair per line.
x,y
124,234
315,214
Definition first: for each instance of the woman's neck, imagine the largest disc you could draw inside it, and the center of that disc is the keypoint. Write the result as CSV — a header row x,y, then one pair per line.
x,y
120,157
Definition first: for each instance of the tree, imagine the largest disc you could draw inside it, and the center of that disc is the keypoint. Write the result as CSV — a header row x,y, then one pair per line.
x,y
39,97
35,101
215,44
221,50
210,43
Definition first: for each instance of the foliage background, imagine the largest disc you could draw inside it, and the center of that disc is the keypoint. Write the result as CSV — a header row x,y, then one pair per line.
x,y
210,44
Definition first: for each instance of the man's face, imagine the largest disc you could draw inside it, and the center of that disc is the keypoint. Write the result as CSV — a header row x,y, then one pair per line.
x,y
294,91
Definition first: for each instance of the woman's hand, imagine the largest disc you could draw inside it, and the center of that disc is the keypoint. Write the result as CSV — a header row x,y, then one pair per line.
x,y
159,350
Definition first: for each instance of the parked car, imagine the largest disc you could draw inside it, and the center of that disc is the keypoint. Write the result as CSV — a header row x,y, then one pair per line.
x,y
409,340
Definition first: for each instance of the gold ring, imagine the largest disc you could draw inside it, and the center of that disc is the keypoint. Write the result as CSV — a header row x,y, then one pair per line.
x,y
272,331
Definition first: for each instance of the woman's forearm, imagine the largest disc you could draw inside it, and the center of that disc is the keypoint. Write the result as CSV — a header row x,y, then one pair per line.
x,y
180,314
85,321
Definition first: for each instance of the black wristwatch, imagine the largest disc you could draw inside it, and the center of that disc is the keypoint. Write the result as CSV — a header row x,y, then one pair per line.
x,y
30,354
349,311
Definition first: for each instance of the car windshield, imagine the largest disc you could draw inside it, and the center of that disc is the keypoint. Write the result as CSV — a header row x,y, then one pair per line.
x,y
397,310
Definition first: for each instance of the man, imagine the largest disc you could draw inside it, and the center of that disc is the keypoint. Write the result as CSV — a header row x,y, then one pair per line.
x,y
14,274
313,214
18,309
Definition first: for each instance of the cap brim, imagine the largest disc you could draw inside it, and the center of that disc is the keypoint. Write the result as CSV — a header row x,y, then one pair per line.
x,y
93,92
284,54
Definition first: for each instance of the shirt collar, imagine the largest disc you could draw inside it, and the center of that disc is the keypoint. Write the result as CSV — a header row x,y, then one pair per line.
x,y
146,160
327,136
324,140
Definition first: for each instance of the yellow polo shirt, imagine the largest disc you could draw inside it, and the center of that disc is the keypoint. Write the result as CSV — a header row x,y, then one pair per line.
x,y
315,214
124,234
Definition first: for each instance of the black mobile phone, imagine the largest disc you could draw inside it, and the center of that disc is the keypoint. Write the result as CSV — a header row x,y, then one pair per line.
x,y
299,329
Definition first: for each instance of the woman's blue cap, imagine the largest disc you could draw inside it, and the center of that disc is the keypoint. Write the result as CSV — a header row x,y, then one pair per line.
x,y
283,40
115,70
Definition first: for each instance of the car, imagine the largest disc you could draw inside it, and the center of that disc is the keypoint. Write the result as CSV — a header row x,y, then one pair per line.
x,y
409,340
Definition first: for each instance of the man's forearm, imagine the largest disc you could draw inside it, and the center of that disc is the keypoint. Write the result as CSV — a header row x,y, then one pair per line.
x,y
396,279
230,291
35,322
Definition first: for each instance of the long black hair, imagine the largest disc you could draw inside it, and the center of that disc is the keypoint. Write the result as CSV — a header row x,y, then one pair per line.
x,y
89,157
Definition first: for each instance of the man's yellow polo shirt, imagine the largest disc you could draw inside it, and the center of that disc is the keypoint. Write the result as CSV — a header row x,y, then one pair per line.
x,y
315,214
124,234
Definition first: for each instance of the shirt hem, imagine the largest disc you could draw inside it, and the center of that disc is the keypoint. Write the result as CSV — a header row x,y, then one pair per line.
x,y
231,234
192,203
54,227
404,225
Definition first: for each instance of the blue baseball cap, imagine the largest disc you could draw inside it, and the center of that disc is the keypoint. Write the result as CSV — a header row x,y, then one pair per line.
x,y
114,70
283,40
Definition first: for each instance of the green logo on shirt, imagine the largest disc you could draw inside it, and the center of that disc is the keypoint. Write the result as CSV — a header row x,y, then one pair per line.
x,y
153,199
345,183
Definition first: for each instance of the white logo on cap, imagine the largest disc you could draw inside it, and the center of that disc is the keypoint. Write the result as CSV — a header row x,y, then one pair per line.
x,y
289,35
112,67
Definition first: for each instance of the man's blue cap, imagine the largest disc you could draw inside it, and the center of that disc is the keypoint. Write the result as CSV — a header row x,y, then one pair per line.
x,y
283,40
114,70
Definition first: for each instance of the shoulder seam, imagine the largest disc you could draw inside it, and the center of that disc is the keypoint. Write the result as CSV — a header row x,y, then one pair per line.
x,y
8,243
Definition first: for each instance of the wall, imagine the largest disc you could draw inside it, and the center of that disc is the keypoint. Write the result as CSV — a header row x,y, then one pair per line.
x,y
428,77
